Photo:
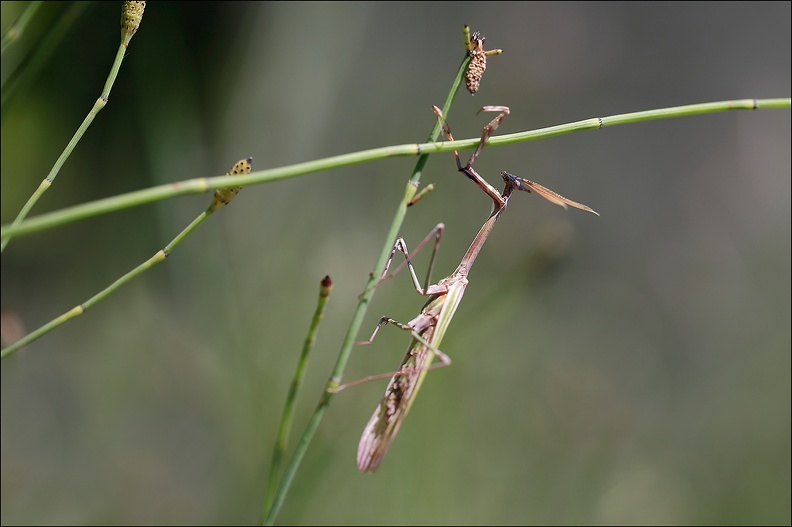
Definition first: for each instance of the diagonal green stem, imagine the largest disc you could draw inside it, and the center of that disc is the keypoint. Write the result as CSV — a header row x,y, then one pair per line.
x,y
195,186
78,310
100,103
219,200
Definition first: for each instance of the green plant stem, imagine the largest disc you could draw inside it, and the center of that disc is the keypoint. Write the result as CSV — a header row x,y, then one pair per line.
x,y
195,186
288,410
220,199
360,311
78,310
47,182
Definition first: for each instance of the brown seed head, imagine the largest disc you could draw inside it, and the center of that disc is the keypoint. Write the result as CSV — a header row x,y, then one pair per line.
x,y
478,63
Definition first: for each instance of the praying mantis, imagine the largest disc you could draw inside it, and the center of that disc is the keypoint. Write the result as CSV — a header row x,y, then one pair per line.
x,y
429,327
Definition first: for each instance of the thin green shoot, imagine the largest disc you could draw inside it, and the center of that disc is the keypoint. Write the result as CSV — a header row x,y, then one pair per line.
x,y
220,199
426,190
132,13
199,185
325,288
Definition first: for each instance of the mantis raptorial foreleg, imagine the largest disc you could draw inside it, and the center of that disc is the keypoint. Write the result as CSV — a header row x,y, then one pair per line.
x,y
486,133
514,182
488,130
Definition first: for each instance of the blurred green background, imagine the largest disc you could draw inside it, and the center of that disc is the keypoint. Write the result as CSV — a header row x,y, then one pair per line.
x,y
632,368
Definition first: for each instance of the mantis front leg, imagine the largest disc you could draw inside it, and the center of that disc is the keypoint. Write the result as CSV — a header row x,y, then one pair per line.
x,y
486,133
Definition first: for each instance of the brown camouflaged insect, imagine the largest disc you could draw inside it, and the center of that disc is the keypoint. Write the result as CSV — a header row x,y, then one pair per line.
x,y
429,327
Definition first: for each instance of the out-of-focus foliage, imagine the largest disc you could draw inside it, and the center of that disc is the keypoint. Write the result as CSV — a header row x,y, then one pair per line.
x,y
628,368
